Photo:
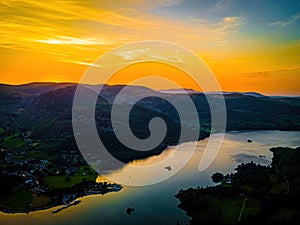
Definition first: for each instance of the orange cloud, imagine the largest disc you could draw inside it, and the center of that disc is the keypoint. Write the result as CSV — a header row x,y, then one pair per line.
x,y
58,40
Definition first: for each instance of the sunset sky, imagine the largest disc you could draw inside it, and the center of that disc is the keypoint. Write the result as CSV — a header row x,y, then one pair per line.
x,y
249,45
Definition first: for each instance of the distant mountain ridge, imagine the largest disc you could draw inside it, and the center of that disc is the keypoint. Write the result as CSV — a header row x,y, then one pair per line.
x,y
191,91
41,87
45,111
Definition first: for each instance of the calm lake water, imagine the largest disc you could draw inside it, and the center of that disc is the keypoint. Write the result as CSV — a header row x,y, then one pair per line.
x,y
156,204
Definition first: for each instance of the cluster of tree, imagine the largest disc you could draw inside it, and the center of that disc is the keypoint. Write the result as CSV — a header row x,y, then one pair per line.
x,y
251,181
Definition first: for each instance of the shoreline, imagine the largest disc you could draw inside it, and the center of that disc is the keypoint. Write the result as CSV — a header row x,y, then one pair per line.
x,y
9,211
108,189
225,202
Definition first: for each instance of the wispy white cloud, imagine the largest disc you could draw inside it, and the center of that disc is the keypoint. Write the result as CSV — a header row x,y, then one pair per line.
x,y
63,40
132,54
235,20
285,23
221,6
151,54
84,63
78,29
226,29
167,3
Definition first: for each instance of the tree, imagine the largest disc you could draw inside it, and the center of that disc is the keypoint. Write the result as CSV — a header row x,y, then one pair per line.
x,y
217,177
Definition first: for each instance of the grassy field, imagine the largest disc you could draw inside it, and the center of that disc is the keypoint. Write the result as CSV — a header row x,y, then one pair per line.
x,y
40,154
284,214
60,181
13,142
228,209
251,208
40,200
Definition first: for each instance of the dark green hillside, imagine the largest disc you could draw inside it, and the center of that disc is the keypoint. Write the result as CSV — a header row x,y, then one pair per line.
x,y
42,112
255,194
251,113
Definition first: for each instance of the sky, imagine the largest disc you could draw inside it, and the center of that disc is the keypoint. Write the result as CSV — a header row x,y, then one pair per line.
x,y
248,45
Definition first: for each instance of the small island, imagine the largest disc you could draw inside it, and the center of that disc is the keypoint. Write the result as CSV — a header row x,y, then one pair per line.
x,y
129,210
254,194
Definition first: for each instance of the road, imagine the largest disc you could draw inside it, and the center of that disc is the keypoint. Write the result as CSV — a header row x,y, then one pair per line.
x,y
242,210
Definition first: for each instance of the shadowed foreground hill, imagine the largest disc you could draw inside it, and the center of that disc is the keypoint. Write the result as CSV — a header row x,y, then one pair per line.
x,y
255,194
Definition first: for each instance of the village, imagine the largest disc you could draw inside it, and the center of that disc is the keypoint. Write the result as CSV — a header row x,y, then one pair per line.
x,y
48,179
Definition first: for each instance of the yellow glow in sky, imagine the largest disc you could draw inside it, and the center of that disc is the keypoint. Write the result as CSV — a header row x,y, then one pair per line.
x,y
57,41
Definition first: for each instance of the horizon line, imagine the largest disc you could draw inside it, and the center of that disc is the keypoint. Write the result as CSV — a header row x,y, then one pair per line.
x,y
159,90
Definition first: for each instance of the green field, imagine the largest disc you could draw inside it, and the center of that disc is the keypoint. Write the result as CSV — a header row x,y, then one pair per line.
x,y
60,182
40,200
228,209
12,142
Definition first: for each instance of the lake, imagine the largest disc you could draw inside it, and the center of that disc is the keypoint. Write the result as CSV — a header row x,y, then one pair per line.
x,y
156,204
